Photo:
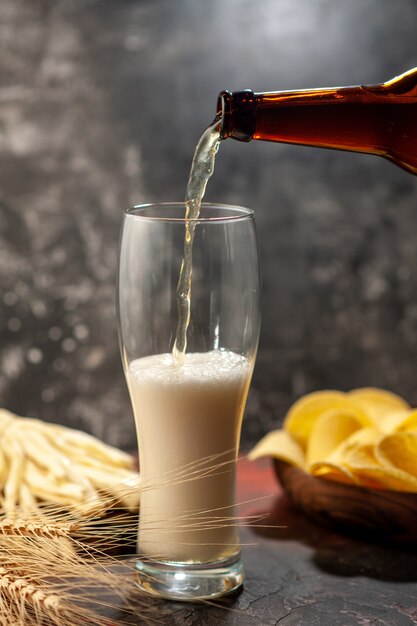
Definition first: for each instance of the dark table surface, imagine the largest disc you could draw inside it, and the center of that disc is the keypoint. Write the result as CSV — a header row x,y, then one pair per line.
x,y
301,574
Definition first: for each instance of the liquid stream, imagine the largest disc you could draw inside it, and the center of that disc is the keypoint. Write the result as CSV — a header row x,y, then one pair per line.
x,y
201,169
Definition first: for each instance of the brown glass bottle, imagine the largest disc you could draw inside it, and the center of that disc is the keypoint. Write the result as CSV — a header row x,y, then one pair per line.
x,y
377,119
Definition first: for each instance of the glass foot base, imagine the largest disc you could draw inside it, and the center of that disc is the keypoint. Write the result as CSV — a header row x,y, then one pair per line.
x,y
182,581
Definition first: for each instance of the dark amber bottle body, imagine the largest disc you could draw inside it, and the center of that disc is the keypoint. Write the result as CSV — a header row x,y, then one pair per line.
x,y
377,119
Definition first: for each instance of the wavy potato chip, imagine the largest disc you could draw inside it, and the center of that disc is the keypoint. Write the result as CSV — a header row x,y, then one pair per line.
x,y
363,437
399,450
331,428
304,412
392,421
378,477
409,423
358,450
332,471
280,445
378,403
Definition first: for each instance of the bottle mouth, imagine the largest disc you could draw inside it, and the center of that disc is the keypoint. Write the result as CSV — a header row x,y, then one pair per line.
x,y
224,108
237,114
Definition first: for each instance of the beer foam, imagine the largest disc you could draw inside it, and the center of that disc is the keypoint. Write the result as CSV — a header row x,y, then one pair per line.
x,y
216,367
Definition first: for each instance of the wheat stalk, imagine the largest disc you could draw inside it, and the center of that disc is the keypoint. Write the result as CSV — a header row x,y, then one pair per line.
x,y
24,595
41,582
53,559
26,602
22,527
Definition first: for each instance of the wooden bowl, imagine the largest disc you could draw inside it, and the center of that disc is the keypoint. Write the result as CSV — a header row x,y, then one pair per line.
x,y
391,515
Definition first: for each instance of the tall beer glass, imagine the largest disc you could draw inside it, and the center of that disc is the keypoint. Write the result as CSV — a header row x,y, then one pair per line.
x,y
188,416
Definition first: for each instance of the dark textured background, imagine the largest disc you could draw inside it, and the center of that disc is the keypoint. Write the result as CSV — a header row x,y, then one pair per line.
x,y
101,105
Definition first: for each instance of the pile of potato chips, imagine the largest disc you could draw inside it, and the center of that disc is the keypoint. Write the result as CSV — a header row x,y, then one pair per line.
x,y
365,437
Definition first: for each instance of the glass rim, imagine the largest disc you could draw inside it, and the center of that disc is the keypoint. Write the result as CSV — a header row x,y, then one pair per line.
x,y
237,213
